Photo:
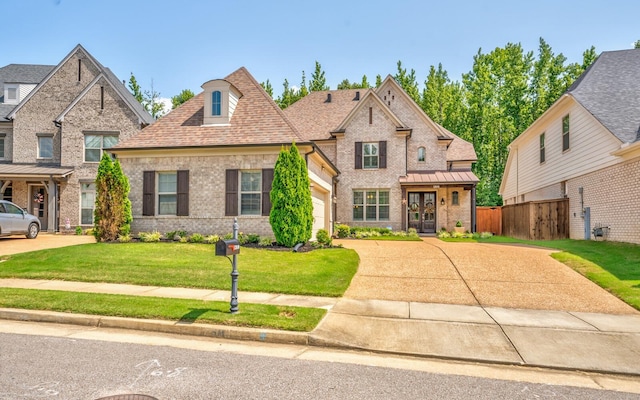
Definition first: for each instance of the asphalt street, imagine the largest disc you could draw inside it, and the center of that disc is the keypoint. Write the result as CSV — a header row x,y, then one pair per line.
x,y
64,366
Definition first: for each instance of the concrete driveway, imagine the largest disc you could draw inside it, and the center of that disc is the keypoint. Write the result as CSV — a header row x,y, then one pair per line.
x,y
488,275
20,244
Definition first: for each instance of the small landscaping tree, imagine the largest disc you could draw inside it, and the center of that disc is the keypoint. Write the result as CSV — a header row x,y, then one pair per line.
x,y
112,215
291,214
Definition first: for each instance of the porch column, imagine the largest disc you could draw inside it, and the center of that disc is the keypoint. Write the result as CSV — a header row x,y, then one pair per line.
x,y
52,206
404,209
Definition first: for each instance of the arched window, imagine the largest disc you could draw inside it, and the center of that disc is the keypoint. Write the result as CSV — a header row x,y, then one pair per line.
x,y
454,199
422,153
216,103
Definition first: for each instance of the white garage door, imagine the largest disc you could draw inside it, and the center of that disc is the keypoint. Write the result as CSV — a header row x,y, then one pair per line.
x,y
317,198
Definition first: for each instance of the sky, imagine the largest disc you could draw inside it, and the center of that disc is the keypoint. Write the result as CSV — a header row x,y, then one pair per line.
x,y
176,45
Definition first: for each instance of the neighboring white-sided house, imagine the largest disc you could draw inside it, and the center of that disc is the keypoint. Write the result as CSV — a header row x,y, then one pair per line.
x,y
211,160
398,168
586,147
56,121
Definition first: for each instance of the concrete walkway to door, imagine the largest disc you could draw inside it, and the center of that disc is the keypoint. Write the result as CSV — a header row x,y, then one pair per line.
x,y
485,302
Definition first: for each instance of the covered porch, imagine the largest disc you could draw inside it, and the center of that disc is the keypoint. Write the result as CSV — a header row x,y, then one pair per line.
x,y
35,188
434,200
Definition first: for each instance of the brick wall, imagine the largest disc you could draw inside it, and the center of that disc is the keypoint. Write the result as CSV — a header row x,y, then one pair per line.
x,y
612,195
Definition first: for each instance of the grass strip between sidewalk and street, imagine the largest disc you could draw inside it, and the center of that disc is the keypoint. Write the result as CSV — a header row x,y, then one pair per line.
x,y
614,266
321,272
300,319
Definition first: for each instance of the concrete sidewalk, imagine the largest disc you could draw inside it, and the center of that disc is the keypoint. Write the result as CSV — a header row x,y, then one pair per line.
x,y
568,340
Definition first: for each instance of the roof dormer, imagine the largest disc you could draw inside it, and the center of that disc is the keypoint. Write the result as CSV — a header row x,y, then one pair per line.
x,y
220,100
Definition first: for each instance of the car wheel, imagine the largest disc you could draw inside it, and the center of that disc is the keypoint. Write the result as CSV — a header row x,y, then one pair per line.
x,y
33,231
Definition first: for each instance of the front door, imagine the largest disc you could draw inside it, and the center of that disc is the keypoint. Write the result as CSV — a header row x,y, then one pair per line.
x,y
39,206
422,212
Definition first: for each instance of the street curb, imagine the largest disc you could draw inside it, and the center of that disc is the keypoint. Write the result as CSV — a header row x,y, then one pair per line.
x,y
180,328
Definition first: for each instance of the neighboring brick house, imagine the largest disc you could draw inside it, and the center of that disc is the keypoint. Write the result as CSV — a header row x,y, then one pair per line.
x,y
586,147
211,160
57,120
398,168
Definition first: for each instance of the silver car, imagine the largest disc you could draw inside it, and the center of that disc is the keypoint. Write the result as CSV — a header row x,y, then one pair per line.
x,y
14,221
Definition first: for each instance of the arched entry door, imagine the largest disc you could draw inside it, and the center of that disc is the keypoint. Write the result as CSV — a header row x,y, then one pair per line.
x,y
422,212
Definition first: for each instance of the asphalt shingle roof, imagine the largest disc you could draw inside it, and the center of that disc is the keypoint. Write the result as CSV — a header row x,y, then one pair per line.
x,y
257,120
610,90
20,73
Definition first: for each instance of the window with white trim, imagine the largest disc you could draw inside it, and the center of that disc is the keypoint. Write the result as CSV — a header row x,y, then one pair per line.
x,y
95,144
370,205
542,152
87,203
370,155
250,192
422,154
45,147
167,193
565,133
216,103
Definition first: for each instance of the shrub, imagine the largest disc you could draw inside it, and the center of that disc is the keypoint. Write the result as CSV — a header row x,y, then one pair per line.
x,y
444,234
79,230
377,231
211,239
228,236
242,238
124,238
458,224
196,238
184,239
88,231
486,235
171,235
323,238
457,235
253,238
343,231
150,237
265,241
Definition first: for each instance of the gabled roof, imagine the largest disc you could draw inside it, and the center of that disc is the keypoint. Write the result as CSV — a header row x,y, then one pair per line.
x,y
316,117
20,73
610,90
144,116
257,120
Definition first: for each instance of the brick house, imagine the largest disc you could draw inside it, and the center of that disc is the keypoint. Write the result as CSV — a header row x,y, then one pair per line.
x,y
586,147
398,168
57,120
211,160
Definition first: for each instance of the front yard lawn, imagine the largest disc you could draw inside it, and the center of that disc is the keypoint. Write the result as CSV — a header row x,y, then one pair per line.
x,y
614,266
213,312
322,272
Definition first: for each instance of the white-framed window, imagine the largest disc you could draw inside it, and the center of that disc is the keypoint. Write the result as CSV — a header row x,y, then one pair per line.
x,y
45,147
565,133
542,152
95,144
370,155
251,192
11,94
87,203
370,205
422,154
167,193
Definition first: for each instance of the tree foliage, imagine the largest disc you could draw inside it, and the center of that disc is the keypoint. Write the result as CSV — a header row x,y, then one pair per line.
x,y
291,214
267,87
181,98
112,215
318,81
150,99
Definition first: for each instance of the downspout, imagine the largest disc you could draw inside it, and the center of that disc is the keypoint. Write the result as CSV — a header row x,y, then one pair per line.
x,y
473,208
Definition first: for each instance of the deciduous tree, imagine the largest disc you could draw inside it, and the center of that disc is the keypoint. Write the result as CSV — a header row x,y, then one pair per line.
x,y
180,98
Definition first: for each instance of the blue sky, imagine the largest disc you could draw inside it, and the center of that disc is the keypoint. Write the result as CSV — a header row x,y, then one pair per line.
x,y
182,44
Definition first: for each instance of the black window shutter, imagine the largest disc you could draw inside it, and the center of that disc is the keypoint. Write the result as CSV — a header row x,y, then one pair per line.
x,y
148,192
383,154
231,193
267,180
183,193
358,155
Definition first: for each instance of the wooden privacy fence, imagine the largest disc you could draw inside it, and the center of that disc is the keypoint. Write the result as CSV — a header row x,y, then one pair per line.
x,y
489,219
537,220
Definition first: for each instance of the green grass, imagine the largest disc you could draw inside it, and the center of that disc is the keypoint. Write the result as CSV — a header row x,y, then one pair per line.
x,y
322,272
214,312
394,238
614,266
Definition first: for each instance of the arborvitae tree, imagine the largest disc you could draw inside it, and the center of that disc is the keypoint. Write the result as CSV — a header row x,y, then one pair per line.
x,y
112,215
291,214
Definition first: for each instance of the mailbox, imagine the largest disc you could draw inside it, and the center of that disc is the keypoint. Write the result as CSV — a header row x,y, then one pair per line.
x,y
227,247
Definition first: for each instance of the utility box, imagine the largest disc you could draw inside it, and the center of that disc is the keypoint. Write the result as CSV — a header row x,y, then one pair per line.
x,y
227,247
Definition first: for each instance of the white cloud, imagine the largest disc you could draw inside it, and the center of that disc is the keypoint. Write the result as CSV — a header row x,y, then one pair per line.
x,y
167,104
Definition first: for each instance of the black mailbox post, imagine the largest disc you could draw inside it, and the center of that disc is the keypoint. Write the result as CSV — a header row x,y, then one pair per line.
x,y
226,248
